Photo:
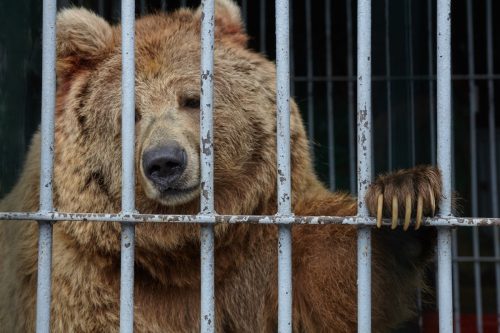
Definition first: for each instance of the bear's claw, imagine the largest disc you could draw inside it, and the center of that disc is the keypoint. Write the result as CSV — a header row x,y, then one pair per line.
x,y
380,203
394,212
407,213
433,201
395,205
420,205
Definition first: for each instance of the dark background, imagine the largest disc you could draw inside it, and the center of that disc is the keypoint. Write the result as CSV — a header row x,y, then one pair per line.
x,y
406,87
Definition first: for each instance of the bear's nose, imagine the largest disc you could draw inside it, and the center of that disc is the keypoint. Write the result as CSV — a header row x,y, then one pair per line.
x,y
165,164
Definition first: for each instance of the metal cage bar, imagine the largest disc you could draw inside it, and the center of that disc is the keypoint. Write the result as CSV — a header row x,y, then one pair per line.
x,y
142,7
128,172
364,162
46,165
443,221
244,11
292,60
262,27
284,168
310,74
430,68
445,290
378,78
329,96
207,167
388,84
473,171
350,98
411,88
493,149
456,283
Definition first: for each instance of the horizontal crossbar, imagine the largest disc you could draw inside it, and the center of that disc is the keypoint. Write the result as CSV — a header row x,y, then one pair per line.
x,y
232,219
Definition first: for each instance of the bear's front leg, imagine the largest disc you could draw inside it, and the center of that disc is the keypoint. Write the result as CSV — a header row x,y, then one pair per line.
x,y
405,194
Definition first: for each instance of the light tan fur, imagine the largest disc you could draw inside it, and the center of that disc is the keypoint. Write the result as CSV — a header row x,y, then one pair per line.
x,y
87,174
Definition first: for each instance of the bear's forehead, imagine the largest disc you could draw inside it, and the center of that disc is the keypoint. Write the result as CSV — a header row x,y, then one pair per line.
x,y
168,47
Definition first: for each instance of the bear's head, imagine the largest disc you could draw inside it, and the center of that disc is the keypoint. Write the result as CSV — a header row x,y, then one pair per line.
x,y
167,78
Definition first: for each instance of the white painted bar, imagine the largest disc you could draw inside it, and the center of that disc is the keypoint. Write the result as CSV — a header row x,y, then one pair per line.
x,y
128,163
444,159
207,238
46,165
364,125
284,168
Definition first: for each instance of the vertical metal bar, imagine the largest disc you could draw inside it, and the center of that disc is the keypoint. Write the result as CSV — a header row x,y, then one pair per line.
x,y
143,7
388,84
445,292
128,172
329,95
44,277
244,11
493,150
456,282
292,60
128,106
364,161
263,32
444,280
477,280
496,237
285,279
127,278
183,3
310,83
163,5
350,98
432,121
207,167
100,7
62,4
46,165
409,34
473,166
48,104
284,170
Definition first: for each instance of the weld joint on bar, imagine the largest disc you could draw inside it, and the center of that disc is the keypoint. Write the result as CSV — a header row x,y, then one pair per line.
x,y
126,216
206,218
284,219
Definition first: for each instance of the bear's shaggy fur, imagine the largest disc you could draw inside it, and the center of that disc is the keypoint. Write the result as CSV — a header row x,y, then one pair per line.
x,y
87,173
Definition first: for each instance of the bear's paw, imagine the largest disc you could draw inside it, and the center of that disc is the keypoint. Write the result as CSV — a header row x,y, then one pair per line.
x,y
405,193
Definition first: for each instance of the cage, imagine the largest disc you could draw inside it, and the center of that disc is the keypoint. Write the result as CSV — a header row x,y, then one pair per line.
x,y
323,82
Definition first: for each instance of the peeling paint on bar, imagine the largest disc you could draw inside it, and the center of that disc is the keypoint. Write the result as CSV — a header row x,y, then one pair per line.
x,y
350,97
207,238
233,219
284,168
128,162
46,165
364,127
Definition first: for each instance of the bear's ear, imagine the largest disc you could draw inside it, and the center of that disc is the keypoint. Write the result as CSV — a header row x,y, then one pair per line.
x,y
82,38
228,21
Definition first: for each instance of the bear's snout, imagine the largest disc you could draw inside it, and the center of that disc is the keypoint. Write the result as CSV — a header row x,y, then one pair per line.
x,y
164,165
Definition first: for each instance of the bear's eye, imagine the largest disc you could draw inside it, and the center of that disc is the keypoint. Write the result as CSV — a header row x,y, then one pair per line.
x,y
190,102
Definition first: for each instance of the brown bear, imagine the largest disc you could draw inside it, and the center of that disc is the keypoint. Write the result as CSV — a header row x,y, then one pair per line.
x,y
87,173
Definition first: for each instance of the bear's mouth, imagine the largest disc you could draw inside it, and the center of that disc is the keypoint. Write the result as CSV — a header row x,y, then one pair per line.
x,y
176,191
